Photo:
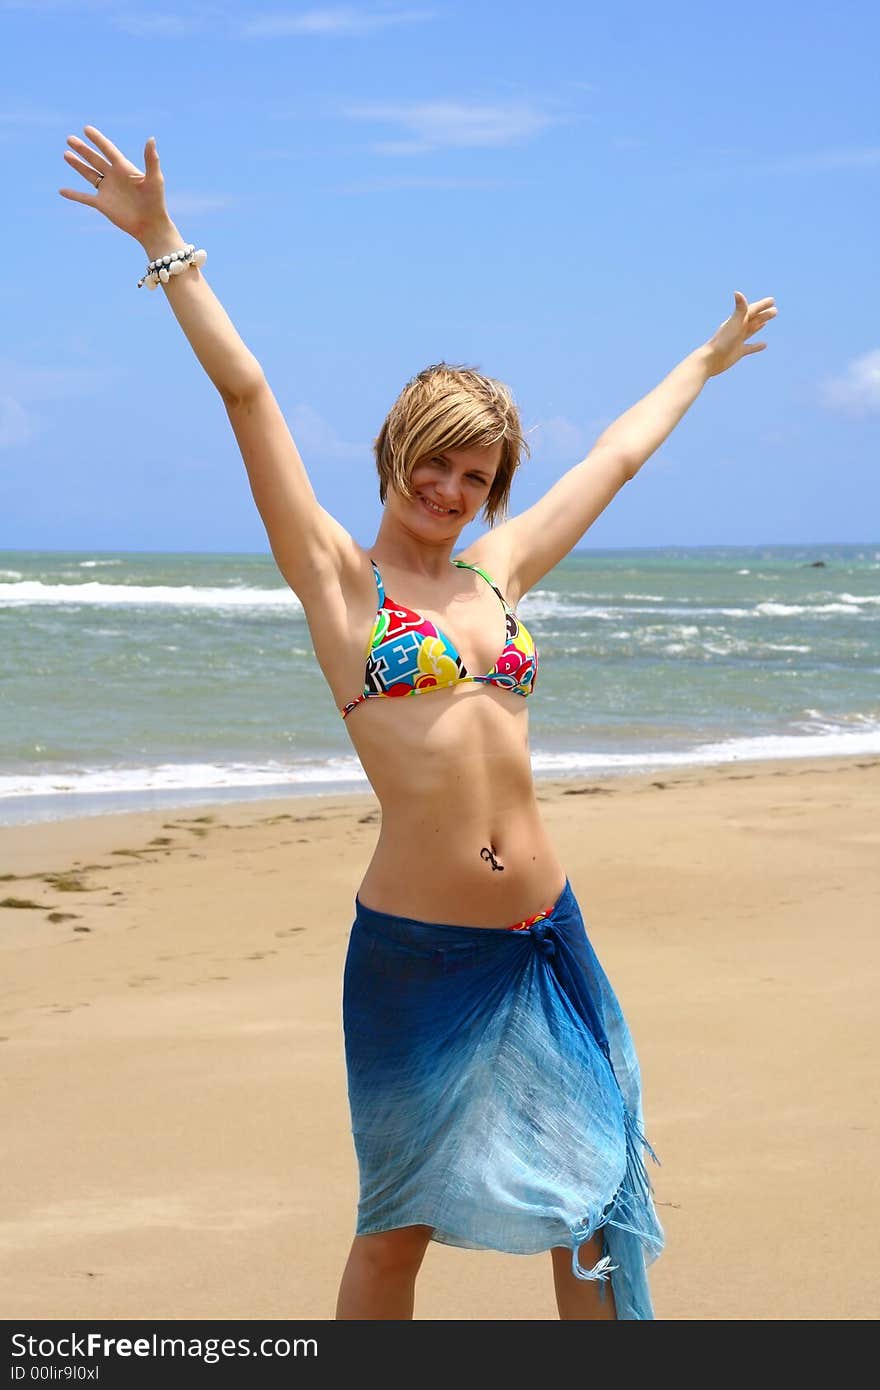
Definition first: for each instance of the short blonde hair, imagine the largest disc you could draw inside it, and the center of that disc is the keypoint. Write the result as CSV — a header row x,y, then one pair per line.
x,y
448,407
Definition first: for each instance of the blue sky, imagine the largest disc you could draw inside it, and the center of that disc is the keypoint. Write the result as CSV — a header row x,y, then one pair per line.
x,y
563,195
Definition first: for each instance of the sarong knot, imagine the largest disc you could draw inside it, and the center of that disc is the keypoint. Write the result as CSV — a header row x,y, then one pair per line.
x,y
542,937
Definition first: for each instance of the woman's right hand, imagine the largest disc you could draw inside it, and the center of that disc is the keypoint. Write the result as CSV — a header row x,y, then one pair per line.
x,y
131,198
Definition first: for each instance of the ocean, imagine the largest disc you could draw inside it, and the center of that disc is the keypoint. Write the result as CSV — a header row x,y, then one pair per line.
x,y
133,681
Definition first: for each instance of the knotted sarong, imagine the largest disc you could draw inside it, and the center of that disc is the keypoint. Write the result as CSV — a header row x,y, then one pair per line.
x,y
495,1092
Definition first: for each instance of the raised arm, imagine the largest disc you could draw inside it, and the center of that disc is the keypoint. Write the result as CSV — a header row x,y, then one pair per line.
x,y
307,542
538,538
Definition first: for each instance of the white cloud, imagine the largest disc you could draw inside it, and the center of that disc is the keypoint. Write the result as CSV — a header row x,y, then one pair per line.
x,y
432,125
22,120
857,390
54,383
202,202
395,182
559,438
401,147
153,25
822,162
314,436
16,426
329,21
334,21
26,384
39,6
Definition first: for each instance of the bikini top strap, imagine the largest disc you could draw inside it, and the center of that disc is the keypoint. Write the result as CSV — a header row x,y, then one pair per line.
x,y
379,585
464,564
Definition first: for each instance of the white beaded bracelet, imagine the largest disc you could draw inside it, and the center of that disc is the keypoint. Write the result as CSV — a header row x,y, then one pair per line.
x,y
175,263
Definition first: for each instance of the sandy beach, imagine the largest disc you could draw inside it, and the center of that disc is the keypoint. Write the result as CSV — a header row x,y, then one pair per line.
x,y
176,1128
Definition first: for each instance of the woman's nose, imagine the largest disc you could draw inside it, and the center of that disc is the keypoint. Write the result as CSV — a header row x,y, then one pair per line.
x,y
451,487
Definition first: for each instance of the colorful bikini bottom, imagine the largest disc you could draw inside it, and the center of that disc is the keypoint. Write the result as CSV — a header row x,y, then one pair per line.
x,y
530,921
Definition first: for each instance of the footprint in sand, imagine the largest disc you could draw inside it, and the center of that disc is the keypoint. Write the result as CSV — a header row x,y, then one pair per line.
x,y
198,826
71,883
289,931
195,826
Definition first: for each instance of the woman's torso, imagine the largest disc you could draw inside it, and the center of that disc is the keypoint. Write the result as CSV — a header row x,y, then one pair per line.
x,y
462,840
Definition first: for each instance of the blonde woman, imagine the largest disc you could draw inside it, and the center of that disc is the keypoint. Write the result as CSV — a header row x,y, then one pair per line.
x,y
494,1087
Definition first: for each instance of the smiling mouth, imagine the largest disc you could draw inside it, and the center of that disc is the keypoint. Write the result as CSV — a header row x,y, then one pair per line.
x,y
434,510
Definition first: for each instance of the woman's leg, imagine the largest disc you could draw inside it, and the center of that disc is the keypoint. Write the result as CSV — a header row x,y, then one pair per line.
x,y
580,1298
380,1277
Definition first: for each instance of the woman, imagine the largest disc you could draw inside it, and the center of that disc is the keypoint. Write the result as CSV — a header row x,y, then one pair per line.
x,y
494,1087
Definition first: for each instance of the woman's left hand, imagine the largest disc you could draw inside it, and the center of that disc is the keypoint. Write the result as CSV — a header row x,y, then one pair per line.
x,y
728,344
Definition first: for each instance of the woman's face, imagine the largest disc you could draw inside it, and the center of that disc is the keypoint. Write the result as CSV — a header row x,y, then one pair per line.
x,y
450,487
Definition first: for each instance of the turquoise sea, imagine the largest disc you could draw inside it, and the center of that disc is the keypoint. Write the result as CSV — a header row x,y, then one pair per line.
x,y
138,680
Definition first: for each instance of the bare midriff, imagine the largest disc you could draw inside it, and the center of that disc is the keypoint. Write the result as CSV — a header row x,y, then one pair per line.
x,y
462,840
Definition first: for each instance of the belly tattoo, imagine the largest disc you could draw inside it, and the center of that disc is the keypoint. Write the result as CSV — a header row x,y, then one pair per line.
x,y
487,854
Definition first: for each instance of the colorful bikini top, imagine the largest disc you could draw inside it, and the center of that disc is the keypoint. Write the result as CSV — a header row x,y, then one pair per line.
x,y
408,655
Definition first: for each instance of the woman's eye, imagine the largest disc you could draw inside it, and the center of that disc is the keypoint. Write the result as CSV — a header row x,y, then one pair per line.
x,y
474,477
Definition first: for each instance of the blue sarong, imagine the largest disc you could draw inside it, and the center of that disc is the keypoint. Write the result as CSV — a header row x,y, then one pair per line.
x,y
495,1093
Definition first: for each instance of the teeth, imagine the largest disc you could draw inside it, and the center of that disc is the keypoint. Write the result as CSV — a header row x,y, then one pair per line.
x,y
441,511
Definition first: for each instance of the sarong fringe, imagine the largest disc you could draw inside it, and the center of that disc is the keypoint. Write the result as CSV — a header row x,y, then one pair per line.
x,y
624,1208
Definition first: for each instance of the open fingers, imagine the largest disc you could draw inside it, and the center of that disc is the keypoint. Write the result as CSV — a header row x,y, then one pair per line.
x,y
82,149
87,170
758,317
107,148
76,197
759,323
